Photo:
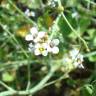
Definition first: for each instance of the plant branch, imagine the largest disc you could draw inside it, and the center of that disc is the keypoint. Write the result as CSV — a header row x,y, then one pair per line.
x,y
54,81
13,37
91,2
30,20
29,76
6,86
90,54
33,90
84,42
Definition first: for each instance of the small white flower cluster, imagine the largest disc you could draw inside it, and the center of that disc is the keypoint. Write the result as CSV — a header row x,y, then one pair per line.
x,y
29,13
75,58
41,43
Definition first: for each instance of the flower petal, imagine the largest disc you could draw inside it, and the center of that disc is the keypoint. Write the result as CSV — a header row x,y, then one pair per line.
x,y
34,31
29,37
37,45
45,45
31,45
55,42
74,53
55,50
27,12
41,34
45,53
49,49
37,52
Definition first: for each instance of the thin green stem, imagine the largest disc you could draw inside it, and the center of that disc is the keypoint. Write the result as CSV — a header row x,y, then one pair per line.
x,y
59,3
32,22
29,76
91,2
84,42
33,90
65,76
90,54
55,23
13,37
27,18
6,86
42,82
25,53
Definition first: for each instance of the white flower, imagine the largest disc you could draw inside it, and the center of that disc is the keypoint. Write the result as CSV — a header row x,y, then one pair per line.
x,y
41,38
41,34
55,42
34,31
40,43
52,47
55,50
77,58
32,35
29,13
41,49
76,55
32,14
29,37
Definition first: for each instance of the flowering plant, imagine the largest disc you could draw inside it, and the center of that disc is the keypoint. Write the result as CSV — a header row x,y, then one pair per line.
x,y
44,42
41,43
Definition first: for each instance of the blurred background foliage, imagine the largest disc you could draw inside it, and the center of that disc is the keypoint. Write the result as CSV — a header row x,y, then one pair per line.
x,y
14,25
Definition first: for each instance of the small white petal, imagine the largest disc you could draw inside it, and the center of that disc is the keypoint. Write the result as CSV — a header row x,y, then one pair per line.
x,y
75,55
55,42
45,53
49,49
80,57
45,45
75,64
55,50
27,12
37,39
37,45
34,30
31,45
29,37
37,52
32,14
74,52
41,34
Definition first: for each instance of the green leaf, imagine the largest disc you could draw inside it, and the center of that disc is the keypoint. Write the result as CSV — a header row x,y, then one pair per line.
x,y
87,90
7,77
